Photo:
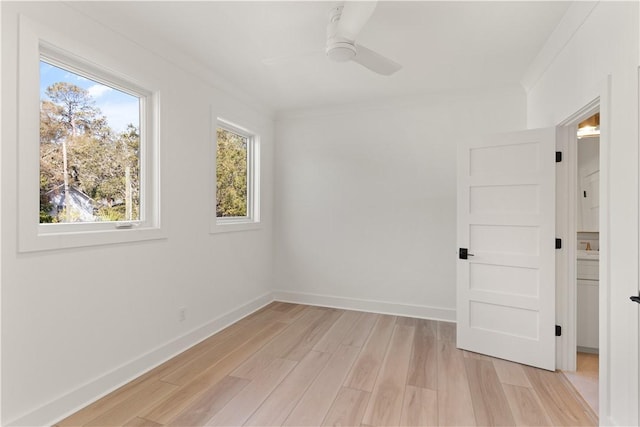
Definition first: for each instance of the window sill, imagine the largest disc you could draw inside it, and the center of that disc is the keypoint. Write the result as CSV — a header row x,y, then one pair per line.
x,y
233,226
35,241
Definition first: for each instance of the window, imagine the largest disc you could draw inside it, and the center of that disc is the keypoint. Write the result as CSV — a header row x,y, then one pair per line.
x,y
88,148
236,178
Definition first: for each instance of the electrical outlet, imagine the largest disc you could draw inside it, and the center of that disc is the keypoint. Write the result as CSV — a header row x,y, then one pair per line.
x,y
182,314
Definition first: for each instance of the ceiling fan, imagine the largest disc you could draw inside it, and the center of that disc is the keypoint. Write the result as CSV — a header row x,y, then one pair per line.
x,y
345,22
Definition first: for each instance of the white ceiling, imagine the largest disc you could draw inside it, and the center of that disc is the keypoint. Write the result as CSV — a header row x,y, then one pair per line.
x,y
274,50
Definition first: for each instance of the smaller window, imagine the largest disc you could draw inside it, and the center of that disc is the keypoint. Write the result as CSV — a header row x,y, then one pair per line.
x,y
236,178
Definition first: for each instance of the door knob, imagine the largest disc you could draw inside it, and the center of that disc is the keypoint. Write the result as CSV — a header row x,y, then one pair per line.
x,y
635,299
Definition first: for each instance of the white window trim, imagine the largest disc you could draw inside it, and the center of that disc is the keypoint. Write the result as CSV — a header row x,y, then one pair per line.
x,y
37,42
252,220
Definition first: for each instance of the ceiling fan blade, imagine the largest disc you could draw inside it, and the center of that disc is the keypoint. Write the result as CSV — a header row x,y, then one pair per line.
x,y
354,15
288,59
375,62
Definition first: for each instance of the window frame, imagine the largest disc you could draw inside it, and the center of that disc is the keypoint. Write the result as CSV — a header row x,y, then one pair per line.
x,y
252,220
38,44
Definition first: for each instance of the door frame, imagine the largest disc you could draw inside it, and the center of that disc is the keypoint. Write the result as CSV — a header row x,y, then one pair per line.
x,y
566,229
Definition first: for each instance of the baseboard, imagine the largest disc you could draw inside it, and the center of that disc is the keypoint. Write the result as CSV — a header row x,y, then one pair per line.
x,y
383,307
61,407
589,350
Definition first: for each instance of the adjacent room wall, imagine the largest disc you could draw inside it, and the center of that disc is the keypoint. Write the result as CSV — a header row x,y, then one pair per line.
x,y
366,199
605,46
78,322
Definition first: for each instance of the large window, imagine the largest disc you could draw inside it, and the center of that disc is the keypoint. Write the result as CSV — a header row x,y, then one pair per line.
x,y
236,166
88,152
89,149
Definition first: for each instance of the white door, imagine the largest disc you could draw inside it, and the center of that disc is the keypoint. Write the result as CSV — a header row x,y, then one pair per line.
x,y
506,220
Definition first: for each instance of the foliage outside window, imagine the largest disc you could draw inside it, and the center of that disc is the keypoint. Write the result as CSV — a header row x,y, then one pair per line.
x,y
232,174
103,114
89,149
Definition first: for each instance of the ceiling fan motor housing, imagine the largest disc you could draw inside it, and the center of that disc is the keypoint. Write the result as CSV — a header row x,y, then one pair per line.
x,y
340,51
338,48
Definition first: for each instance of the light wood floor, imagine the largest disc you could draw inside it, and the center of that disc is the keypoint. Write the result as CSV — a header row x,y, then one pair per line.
x,y
297,365
585,378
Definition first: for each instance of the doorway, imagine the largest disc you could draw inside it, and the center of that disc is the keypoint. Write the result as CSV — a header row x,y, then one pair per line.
x,y
587,244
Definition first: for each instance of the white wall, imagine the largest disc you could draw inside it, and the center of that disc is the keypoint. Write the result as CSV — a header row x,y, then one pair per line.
x,y
366,199
68,337
606,44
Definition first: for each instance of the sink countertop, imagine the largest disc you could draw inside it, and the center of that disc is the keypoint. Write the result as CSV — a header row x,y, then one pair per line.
x,y
588,255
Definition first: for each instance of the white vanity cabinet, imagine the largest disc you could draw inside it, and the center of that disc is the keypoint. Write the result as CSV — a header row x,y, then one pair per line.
x,y
588,270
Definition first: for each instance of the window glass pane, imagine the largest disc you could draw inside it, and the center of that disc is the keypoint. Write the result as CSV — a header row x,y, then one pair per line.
x,y
89,149
231,174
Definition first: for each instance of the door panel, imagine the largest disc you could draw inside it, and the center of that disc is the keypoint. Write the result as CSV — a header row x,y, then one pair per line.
x,y
506,218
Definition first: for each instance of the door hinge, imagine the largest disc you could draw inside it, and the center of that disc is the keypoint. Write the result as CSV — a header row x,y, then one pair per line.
x,y
463,253
585,193
558,243
558,156
558,330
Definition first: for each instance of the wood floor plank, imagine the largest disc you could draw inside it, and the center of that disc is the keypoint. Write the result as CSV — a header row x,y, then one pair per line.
x,y
275,409
293,314
312,335
259,317
284,307
558,400
365,370
339,330
447,331
455,406
316,401
451,368
348,408
578,397
240,408
511,373
423,366
585,379
209,403
385,404
479,356
490,405
420,407
279,346
184,396
121,413
427,328
141,422
588,363
455,409
188,371
361,330
525,406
